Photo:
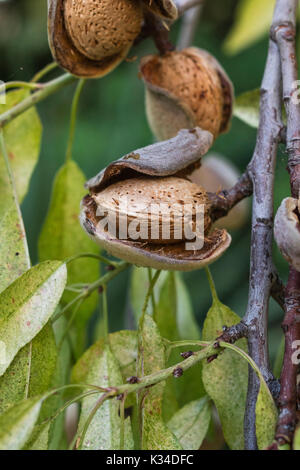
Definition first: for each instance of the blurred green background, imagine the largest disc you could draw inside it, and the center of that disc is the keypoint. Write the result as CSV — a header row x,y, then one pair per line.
x,y
112,122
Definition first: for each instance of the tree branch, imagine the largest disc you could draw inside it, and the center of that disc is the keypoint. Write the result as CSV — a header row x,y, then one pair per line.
x,y
223,201
288,392
261,170
189,25
284,33
184,5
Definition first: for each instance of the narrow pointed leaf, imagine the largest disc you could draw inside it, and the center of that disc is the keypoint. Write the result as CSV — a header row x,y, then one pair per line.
x,y
266,411
246,30
296,443
124,347
266,417
22,138
30,373
62,237
226,378
246,107
155,433
190,424
104,430
186,323
27,304
17,423
14,257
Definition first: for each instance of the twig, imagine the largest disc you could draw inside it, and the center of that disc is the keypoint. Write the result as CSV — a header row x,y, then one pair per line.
x,y
261,170
288,392
189,25
223,201
92,287
73,119
48,89
284,32
184,5
159,30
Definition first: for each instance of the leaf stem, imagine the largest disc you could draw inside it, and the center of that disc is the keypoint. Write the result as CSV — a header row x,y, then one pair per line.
x,y
211,285
105,312
92,255
92,287
48,89
44,71
149,292
74,112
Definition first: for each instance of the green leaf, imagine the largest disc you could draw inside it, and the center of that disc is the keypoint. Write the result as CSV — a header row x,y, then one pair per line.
x,y
296,443
47,436
62,237
165,313
190,424
26,306
17,423
14,257
124,347
60,377
138,289
252,22
266,417
31,371
22,138
279,359
155,433
186,322
104,430
246,107
226,378
266,411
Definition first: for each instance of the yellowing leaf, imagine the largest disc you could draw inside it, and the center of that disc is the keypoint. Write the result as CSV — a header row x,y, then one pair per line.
x,y
23,139
296,443
17,423
266,417
226,378
246,107
104,430
26,306
190,424
252,22
155,434
62,237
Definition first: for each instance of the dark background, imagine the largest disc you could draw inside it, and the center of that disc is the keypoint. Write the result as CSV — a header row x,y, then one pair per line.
x,y
112,122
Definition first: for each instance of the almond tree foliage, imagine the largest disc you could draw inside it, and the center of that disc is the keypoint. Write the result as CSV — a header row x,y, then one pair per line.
x,y
163,384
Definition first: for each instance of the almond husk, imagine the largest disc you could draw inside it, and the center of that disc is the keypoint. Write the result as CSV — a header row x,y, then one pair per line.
x,y
102,29
176,158
163,8
185,89
74,59
155,202
171,257
287,231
